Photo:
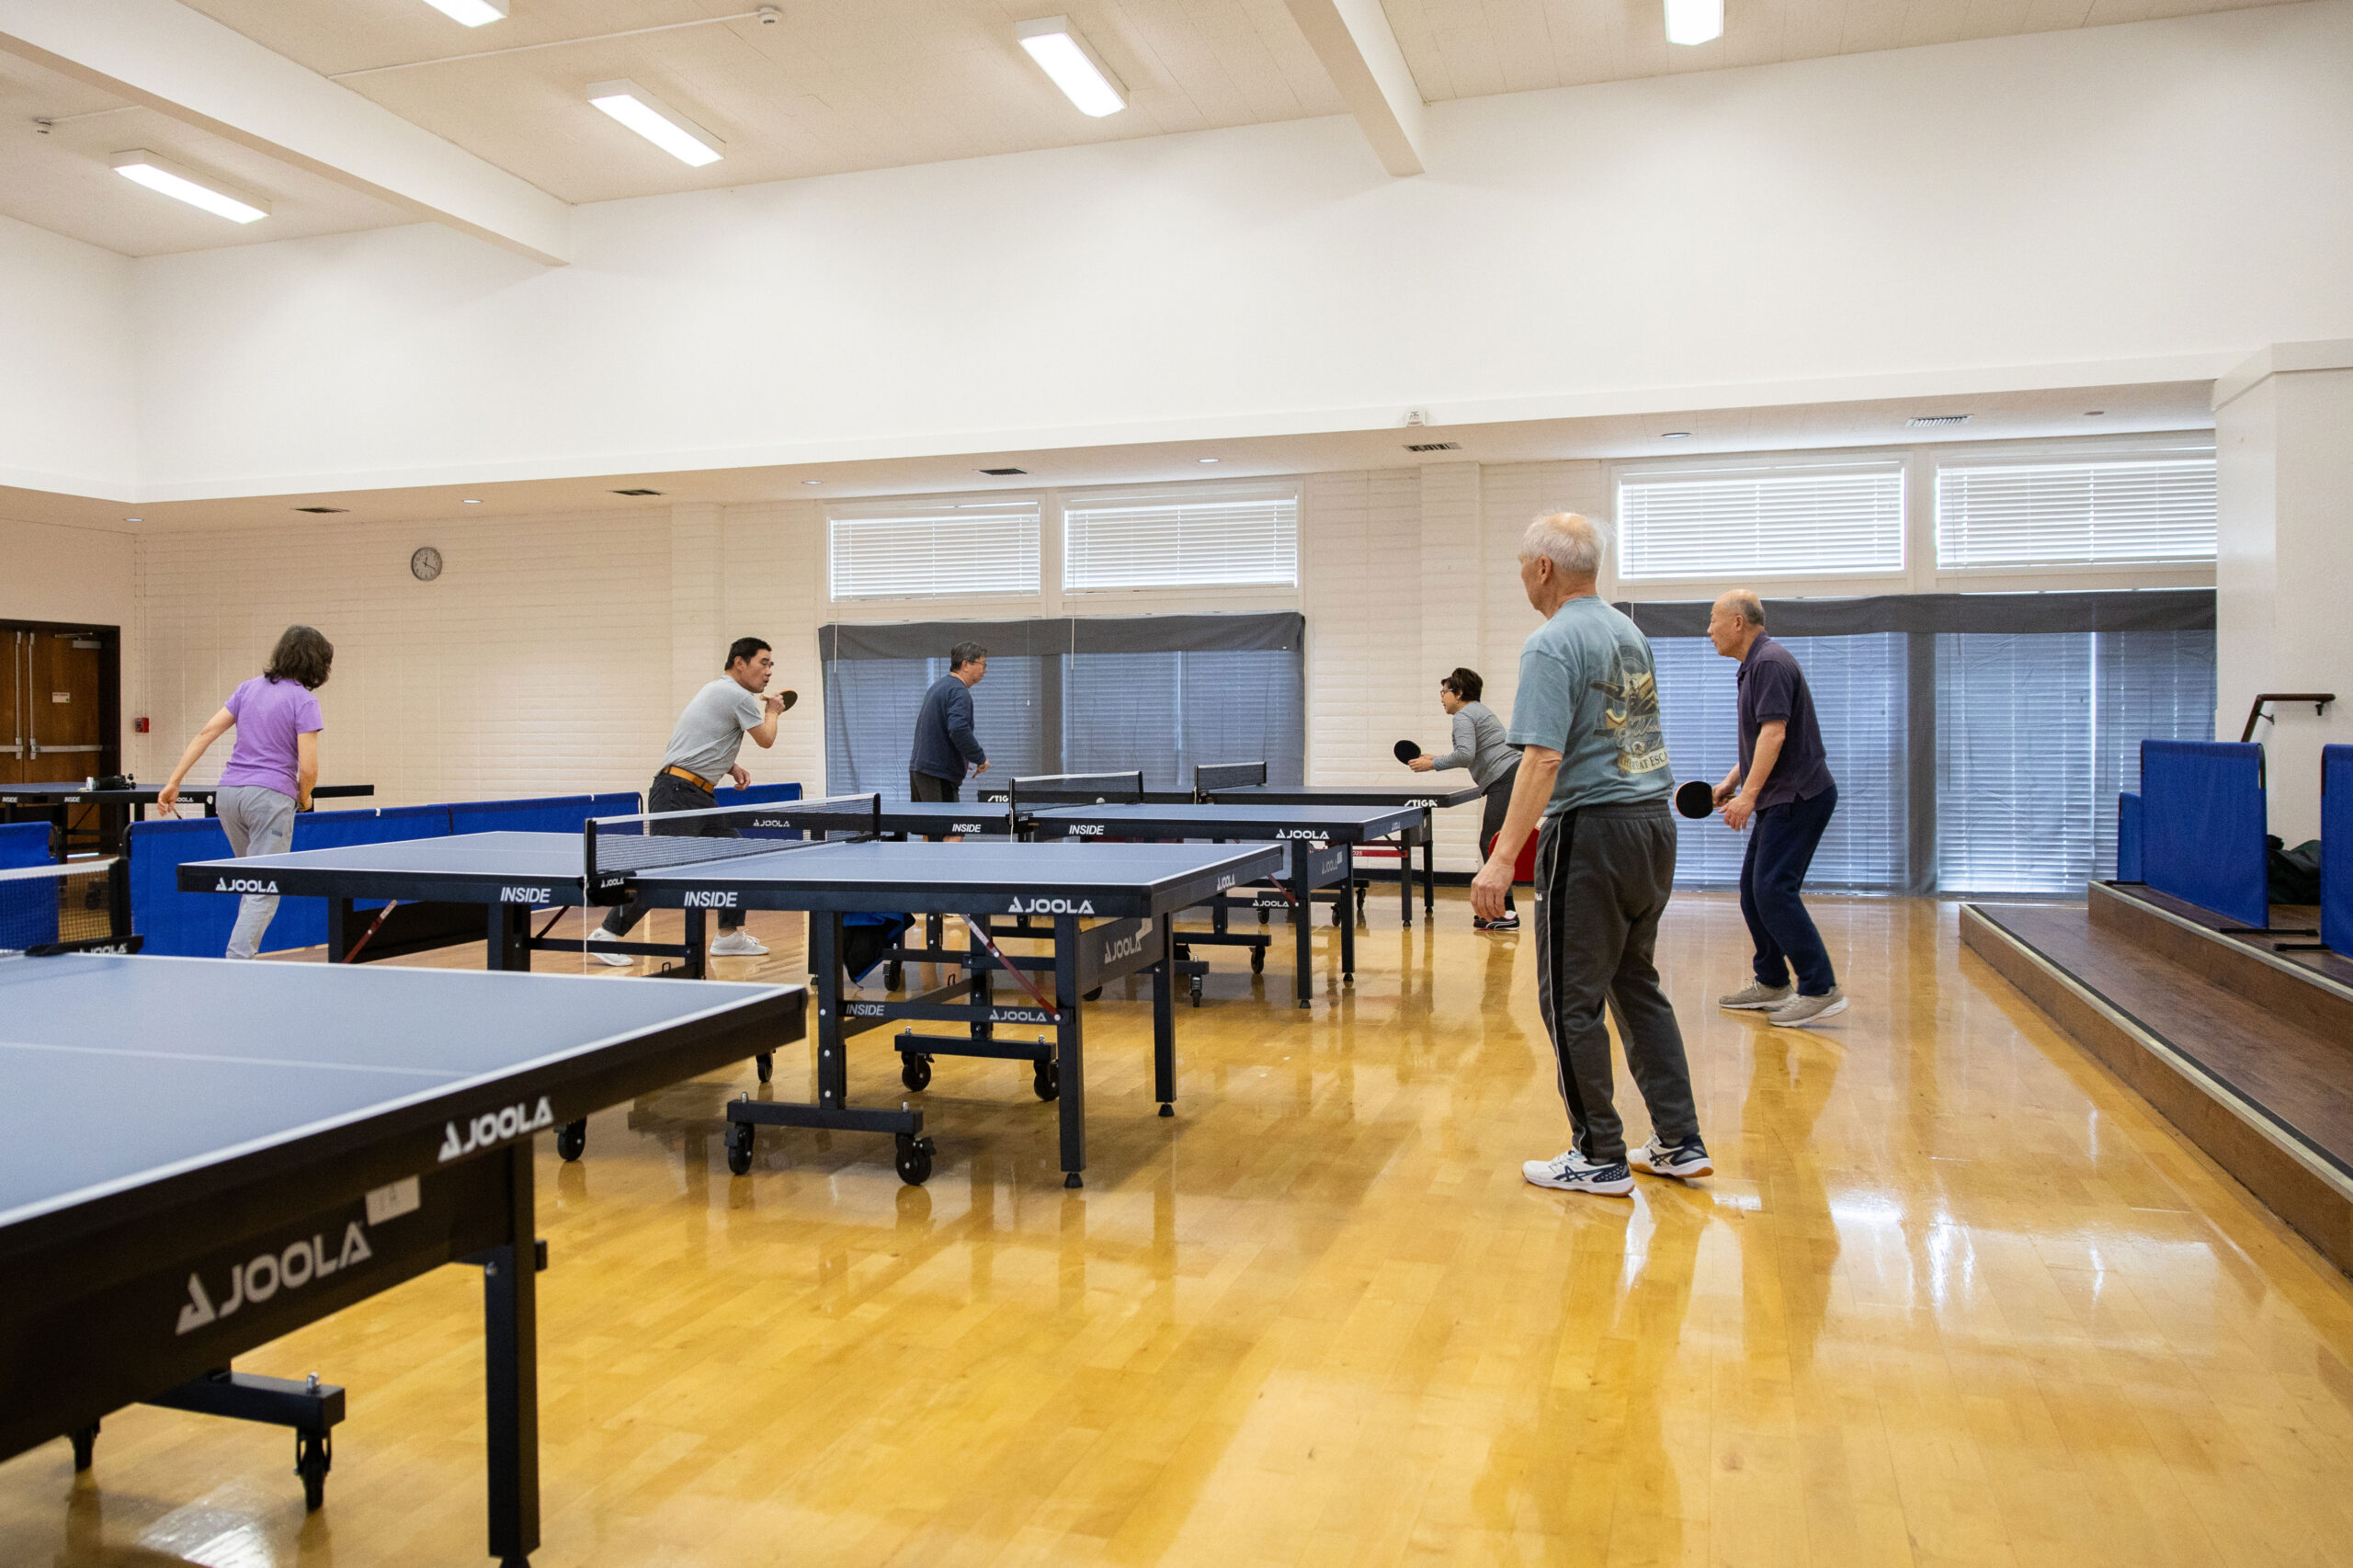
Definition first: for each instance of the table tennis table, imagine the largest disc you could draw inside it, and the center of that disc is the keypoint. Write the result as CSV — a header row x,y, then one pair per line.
x,y
1319,841
497,881
198,1157
56,801
1245,783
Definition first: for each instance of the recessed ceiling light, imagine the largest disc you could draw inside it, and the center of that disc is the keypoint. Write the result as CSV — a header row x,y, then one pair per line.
x,y
656,121
1936,421
469,501
134,519
1003,472
812,482
1675,435
2094,413
1694,21
472,13
1205,459
1062,55
163,175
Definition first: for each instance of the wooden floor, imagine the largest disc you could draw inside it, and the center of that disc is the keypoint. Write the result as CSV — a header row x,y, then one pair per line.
x,y
1957,1298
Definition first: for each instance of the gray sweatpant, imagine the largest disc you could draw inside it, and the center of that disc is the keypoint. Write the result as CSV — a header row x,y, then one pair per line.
x,y
1603,875
259,822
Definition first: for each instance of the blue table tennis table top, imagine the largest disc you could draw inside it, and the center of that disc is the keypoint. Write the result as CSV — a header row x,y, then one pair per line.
x,y
972,876
125,1072
1222,819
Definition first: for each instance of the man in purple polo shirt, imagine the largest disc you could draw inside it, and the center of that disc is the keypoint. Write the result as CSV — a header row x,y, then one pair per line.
x,y
1782,791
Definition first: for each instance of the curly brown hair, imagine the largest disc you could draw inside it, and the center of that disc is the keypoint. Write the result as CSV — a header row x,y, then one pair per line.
x,y
303,655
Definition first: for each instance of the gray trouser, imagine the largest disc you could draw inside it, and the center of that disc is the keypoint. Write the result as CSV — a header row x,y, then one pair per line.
x,y
1603,874
259,822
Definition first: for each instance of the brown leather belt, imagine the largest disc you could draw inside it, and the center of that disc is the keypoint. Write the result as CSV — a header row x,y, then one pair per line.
x,y
697,779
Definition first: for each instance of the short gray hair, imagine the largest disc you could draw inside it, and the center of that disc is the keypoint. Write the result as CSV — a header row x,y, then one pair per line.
x,y
1572,541
965,654
1748,605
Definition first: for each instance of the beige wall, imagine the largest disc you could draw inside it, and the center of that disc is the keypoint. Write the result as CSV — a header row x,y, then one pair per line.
x,y
54,573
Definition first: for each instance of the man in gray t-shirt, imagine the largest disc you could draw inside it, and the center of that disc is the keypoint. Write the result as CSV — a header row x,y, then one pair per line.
x,y
710,732
1593,769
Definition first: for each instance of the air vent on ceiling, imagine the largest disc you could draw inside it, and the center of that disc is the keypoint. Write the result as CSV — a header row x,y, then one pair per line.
x,y
1433,445
1003,472
637,493
323,511
1929,421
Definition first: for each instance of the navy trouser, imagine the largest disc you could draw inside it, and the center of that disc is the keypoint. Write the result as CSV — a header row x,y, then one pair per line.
x,y
1781,841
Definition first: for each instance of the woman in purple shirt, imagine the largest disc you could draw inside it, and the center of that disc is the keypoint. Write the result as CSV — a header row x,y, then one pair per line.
x,y
272,766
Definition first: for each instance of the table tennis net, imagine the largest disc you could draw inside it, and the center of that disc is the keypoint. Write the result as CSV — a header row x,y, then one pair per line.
x,y
1209,777
656,841
1073,789
58,908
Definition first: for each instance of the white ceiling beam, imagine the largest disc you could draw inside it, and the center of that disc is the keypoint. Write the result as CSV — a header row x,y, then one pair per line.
x,y
1359,52
183,65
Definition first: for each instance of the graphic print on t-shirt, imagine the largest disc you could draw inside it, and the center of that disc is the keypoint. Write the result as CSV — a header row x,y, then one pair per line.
x,y
1629,716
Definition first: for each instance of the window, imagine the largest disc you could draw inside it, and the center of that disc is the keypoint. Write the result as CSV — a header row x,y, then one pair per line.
x,y
1167,712
2037,733
1859,686
1782,520
871,706
1230,536
2153,510
935,549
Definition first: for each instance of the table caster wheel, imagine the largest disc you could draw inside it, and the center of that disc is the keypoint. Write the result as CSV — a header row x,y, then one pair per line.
x,y
1336,910
739,1147
1257,961
914,1071
1073,1178
1265,915
313,1457
915,1159
893,975
1047,1080
1096,994
1196,991
766,1064
572,1140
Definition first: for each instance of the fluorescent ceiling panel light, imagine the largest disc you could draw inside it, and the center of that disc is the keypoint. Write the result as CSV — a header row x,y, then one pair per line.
x,y
1694,21
472,13
186,185
656,121
1062,55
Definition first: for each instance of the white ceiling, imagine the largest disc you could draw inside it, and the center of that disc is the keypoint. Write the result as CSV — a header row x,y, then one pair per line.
x,y
2067,412
847,84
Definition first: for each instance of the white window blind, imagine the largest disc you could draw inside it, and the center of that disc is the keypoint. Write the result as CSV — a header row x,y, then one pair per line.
x,y
1777,520
2113,511
1228,538
963,549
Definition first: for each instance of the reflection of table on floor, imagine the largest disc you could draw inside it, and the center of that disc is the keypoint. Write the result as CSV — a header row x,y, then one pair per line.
x,y
56,801
1129,892
197,1156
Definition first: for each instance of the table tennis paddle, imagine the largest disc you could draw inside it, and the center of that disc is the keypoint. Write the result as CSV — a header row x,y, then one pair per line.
x,y
1406,751
1696,798
789,698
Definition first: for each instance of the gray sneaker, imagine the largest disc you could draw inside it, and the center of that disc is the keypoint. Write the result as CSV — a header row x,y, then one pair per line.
x,y
1756,996
1808,1010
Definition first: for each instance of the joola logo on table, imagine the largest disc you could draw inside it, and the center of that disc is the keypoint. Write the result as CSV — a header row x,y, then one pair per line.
x,y
243,884
495,1126
1050,907
1300,833
527,895
697,898
1114,951
290,1269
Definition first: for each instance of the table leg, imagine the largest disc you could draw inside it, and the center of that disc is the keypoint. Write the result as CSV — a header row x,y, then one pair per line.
x,y
1164,1015
1303,922
1405,875
511,1370
1068,1050
1429,863
1349,910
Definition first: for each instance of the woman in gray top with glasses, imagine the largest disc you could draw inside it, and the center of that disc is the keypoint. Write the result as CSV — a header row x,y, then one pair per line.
x,y
1479,747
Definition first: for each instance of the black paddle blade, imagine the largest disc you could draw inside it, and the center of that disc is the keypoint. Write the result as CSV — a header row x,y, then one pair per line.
x,y
1406,751
1696,798
789,698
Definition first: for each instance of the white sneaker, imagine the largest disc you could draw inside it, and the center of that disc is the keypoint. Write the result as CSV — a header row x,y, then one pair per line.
x,y
736,944
1683,1161
1571,1172
1803,1011
618,961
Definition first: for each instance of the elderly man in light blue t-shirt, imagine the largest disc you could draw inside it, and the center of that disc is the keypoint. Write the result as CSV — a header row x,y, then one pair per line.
x,y
1594,769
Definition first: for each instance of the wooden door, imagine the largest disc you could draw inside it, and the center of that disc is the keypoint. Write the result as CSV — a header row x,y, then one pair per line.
x,y
60,711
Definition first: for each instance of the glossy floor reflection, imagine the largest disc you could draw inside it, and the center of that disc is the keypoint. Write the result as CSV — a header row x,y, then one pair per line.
x,y
1956,1297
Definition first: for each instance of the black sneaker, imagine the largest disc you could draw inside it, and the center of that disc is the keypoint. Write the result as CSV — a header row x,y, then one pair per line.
x,y
1505,922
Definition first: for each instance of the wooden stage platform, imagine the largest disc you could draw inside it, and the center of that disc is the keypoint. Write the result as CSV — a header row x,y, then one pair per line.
x,y
2243,1039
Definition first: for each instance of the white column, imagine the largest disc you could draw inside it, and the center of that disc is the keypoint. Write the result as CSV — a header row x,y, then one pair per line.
x,y
2283,436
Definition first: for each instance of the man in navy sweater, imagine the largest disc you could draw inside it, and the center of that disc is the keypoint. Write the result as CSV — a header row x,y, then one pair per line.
x,y
946,748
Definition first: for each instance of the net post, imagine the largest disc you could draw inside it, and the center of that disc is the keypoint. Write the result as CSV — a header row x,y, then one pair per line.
x,y
588,860
874,817
1137,799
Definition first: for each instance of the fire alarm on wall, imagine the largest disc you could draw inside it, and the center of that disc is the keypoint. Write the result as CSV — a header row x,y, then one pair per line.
x,y
139,726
